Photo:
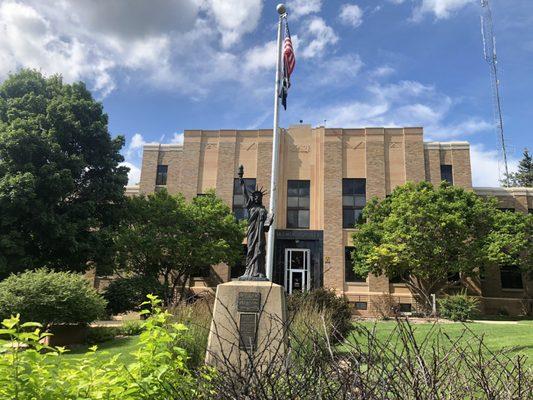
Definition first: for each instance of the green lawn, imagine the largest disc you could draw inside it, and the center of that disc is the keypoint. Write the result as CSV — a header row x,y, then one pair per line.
x,y
518,336
123,346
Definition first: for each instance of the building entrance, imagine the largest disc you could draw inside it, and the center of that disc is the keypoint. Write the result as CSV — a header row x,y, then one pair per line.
x,y
298,259
297,270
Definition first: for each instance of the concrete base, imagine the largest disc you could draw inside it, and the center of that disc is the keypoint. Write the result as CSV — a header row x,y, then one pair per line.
x,y
248,325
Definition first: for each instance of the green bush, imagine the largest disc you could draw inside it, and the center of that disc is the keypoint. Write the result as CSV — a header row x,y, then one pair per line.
x,y
324,300
127,294
458,307
100,334
31,370
50,297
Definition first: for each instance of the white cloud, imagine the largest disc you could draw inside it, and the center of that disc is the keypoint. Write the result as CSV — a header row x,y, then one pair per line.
x,y
316,37
442,9
177,138
261,57
299,8
487,168
134,174
235,18
381,72
351,14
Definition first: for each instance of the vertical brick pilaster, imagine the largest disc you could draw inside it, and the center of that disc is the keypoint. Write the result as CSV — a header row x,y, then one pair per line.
x,y
225,166
149,169
462,171
375,163
432,155
264,163
414,155
333,238
190,164
173,160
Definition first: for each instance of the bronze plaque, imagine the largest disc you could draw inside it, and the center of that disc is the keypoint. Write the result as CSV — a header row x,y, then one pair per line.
x,y
249,302
247,331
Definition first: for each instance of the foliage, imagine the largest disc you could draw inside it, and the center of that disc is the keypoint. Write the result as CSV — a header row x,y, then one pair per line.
x,y
196,317
127,294
458,307
61,183
524,176
510,241
165,237
31,370
50,298
427,234
324,300
100,334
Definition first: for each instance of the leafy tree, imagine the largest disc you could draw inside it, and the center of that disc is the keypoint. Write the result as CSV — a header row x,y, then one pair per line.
x,y
168,238
61,185
524,176
428,235
425,235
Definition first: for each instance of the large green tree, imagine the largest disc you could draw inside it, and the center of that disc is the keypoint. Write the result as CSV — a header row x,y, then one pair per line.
x,y
524,176
61,183
429,235
165,237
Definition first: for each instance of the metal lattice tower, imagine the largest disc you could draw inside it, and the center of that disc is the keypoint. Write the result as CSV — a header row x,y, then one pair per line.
x,y
489,52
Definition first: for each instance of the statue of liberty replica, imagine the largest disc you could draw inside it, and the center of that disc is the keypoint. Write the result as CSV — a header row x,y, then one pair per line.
x,y
259,222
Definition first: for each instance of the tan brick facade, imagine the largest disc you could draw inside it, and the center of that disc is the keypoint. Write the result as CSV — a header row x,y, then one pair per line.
x,y
385,157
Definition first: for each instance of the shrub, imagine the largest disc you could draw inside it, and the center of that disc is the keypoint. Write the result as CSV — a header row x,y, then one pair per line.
x,y
458,307
131,328
50,298
324,300
127,294
385,306
100,334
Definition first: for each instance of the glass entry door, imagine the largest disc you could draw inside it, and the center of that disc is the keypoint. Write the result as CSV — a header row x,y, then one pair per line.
x,y
297,270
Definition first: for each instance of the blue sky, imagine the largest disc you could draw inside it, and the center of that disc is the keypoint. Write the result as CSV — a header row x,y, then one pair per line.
x,y
162,66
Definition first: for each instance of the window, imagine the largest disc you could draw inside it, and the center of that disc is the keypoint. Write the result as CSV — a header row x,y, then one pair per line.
x,y
353,201
238,269
349,273
161,177
298,204
446,174
239,208
511,277
361,305
405,307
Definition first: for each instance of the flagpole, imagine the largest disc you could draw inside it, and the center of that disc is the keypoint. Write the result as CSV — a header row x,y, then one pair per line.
x,y
275,151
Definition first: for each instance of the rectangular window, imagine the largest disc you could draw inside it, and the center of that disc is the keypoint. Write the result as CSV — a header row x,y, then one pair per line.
x,y
239,208
161,177
446,174
353,201
405,307
298,204
511,277
349,273
361,305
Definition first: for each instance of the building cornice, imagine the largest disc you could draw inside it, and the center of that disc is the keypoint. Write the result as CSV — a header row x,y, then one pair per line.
x,y
503,191
162,147
447,145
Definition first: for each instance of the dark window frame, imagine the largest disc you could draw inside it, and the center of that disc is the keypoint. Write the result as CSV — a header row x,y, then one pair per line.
x,y
353,201
349,274
361,305
511,277
446,173
161,175
239,210
303,203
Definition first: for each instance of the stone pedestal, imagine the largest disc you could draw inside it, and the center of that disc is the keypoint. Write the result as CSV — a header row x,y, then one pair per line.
x,y
248,325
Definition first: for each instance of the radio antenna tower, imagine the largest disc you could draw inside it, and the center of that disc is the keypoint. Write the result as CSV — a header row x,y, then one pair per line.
x,y
489,52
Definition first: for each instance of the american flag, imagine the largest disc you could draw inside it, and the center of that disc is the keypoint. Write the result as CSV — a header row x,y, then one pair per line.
x,y
289,61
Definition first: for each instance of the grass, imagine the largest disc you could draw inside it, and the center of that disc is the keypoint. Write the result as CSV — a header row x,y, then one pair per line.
x,y
518,336
124,346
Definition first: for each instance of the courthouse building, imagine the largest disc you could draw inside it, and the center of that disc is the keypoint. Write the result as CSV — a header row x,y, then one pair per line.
x,y
326,176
